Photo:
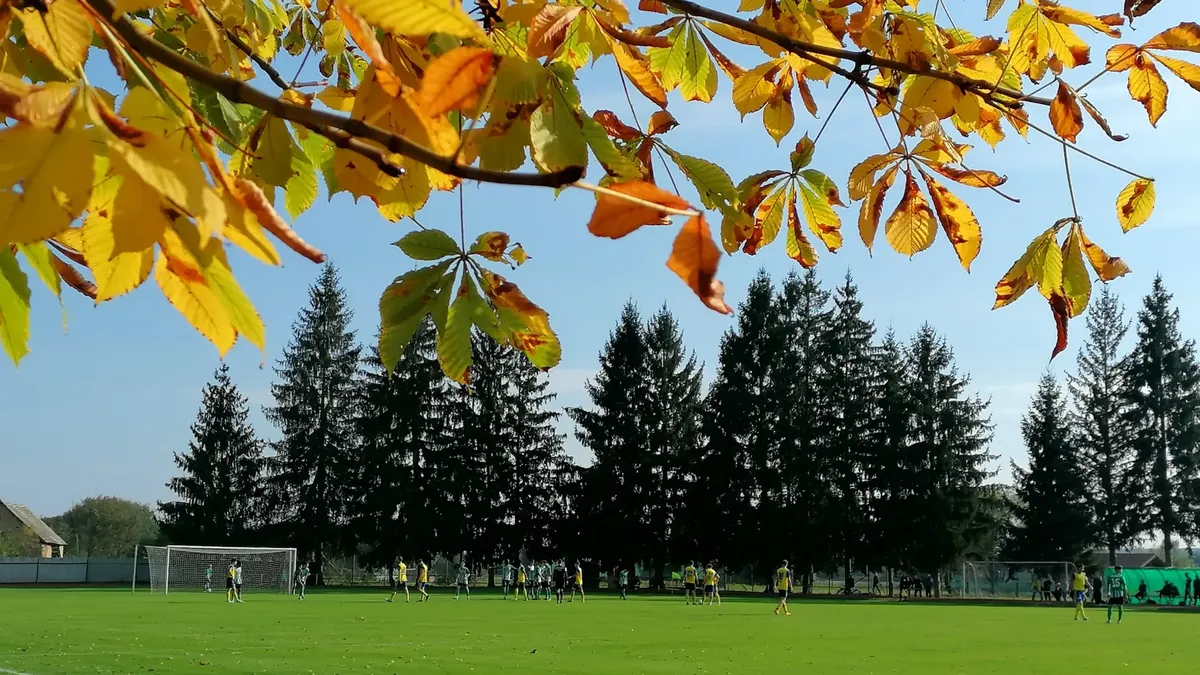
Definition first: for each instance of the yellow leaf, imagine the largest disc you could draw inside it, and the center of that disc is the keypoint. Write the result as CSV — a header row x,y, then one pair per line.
x,y
635,66
778,116
927,93
62,34
1188,72
822,219
138,219
55,170
958,221
116,273
911,227
698,79
872,209
1076,284
798,246
548,29
245,231
1184,37
1046,264
1147,87
419,17
14,301
768,218
1135,203
755,87
1020,277
1120,57
862,176
337,98
454,80
274,148
191,297
1107,267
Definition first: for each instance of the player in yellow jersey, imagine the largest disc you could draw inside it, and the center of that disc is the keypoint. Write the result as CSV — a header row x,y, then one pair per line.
x,y
689,583
1079,586
401,580
229,590
577,585
709,583
783,584
521,580
423,580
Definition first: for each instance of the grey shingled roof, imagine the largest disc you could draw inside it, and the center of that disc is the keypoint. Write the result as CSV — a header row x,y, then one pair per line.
x,y
41,529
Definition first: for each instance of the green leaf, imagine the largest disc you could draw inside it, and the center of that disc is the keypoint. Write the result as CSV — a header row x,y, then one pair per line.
x,y
773,222
823,185
505,152
275,149
615,162
803,154
38,256
482,313
670,62
698,81
402,307
760,178
301,189
320,152
714,185
557,140
428,245
14,307
454,338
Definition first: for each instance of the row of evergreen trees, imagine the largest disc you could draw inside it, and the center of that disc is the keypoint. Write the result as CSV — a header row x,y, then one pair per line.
x,y
1114,460
815,441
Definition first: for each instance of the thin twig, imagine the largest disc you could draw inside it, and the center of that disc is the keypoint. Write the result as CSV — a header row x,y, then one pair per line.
x,y
262,63
690,213
878,124
309,49
1070,184
832,111
346,132
1085,153
861,59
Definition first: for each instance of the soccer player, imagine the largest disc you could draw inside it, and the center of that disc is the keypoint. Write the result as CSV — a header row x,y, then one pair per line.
x,y
716,588
237,579
229,580
302,578
710,582
208,579
560,580
544,575
624,582
1116,594
506,577
464,576
521,579
578,583
689,583
401,580
783,582
1079,590
422,580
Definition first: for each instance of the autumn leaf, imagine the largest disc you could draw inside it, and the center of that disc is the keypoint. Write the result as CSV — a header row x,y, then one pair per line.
x,y
614,127
55,184
490,245
1076,283
1065,114
418,17
615,217
872,208
660,123
694,257
404,304
1147,87
454,339
526,326
1040,265
1058,306
958,221
822,219
862,176
14,301
1106,267
549,29
911,227
62,34
1135,203
798,247
454,80
635,66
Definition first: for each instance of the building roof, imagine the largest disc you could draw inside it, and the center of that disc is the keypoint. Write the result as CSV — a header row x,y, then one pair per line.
x,y
41,529
1129,560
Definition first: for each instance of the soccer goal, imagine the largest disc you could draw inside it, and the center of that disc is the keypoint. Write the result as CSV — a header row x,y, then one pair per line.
x,y
175,569
1015,579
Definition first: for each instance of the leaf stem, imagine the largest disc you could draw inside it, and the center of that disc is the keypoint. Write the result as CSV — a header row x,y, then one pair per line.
x,y
1085,153
832,111
690,213
1070,184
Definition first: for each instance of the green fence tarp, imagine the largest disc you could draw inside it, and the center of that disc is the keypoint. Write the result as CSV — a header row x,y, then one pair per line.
x,y
1156,579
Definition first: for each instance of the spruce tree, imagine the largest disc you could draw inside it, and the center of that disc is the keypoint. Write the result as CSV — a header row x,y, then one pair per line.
x,y
950,436
847,380
891,468
1163,394
219,495
315,461
1102,432
400,422
1050,507
674,404
613,430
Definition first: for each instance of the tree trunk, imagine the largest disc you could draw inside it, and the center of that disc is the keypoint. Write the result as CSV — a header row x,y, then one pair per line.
x,y
1112,555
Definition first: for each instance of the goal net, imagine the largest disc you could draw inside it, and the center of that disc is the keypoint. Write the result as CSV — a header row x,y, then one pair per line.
x,y
175,569
1016,579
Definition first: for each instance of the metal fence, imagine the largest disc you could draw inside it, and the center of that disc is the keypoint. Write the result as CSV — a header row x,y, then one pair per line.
x,y
72,571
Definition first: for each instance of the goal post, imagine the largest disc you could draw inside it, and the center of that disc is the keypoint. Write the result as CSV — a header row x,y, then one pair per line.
x,y
1014,579
185,568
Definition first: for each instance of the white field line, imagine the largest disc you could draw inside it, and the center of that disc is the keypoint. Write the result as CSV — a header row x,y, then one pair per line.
x,y
6,671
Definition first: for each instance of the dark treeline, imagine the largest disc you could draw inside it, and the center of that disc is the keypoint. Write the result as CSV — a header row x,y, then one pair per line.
x,y
818,440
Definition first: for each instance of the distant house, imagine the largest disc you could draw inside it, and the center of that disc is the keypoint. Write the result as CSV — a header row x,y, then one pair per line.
x,y
1129,560
13,516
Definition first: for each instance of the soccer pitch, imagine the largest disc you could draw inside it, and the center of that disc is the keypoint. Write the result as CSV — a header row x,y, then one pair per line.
x,y
60,631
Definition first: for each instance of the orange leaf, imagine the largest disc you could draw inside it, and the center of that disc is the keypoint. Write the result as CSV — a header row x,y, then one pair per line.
x,y
615,127
652,6
549,29
637,68
1184,37
872,208
970,177
364,36
1107,267
958,221
694,257
454,79
631,38
251,196
798,246
1065,114
1120,57
1058,305
615,217
660,123
977,47
1147,87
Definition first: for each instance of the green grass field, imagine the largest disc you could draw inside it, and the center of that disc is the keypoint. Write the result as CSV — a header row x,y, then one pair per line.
x,y
60,632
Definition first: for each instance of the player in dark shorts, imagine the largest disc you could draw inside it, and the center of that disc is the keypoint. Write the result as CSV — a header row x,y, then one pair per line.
x,y
560,581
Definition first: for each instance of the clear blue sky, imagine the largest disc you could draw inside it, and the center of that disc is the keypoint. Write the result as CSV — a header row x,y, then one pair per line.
x,y
100,408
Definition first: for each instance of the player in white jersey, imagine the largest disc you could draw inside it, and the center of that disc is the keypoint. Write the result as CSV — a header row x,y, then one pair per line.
x,y
506,572
464,585
301,579
237,580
